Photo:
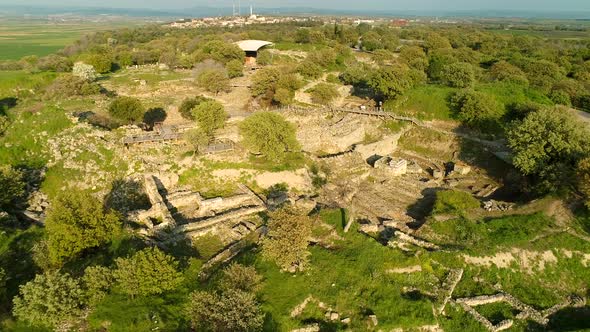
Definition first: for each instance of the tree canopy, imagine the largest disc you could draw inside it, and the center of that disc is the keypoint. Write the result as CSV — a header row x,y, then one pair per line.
x,y
49,300
210,115
76,222
269,134
148,272
287,240
127,109
547,145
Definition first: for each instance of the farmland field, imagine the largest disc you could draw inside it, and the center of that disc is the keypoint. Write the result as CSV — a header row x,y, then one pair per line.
x,y
41,37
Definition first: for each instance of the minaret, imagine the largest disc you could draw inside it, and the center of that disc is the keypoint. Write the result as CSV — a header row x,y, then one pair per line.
x,y
240,8
251,11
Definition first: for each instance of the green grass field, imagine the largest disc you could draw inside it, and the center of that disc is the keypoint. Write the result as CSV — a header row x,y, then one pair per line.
x,y
20,38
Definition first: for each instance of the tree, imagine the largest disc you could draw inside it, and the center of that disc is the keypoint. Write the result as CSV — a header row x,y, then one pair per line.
x,y
438,60
458,75
287,240
235,68
371,41
504,71
12,185
69,85
103,63
310,70
222,51
434,41
127,109
97,281
213,80
264,58
474,108
265,80
76,222
547,146
269,134
186,108
197,139
240,277
49,300
324,93
84,71
414,57
234,310
391,81
148,272
210,116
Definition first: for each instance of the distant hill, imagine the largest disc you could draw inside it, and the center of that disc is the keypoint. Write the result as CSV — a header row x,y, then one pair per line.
x,y
222,11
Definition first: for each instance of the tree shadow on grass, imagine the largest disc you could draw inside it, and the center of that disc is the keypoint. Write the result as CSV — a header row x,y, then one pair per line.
x,y
7,103
153,116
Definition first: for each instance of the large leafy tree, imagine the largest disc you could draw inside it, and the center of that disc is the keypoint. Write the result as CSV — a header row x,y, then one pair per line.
x,y
188,104
414,57
390,82
210,116
148,272
269,134
127,109
49,300
458,75
474,108
76,222
288,240
547,146
234,310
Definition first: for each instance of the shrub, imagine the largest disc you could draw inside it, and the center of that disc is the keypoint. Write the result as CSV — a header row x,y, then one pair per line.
x,y
186,108
269,134
210,115
458,75
76,222
547,146
453,202
287,240
233,310
84,71
70,86
49,300
240,277
208,245
213,80
235,68
127,109
474,108
148,272
324,93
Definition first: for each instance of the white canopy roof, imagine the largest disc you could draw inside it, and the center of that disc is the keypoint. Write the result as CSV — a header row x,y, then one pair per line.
x,y
252,45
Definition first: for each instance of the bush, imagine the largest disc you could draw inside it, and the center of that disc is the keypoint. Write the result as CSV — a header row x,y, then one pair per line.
x,y
504,71
101,62
208,245
213,80
127,109
148,272
547,146
49,300
458,75
269,134
235,68
454,202
324,93
70,86
186,108
84,71
287,240
55,63
76,222
210,116
474,108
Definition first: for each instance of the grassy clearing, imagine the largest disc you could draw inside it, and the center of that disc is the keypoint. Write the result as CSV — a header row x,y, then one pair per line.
x,y
350,278
428,102
31,149
22,84
20,37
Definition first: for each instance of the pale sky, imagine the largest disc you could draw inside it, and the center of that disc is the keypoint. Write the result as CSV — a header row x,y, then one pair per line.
x,y
367,5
